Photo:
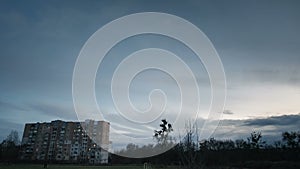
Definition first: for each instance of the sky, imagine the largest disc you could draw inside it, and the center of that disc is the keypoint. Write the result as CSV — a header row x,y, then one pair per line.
x,y
258,43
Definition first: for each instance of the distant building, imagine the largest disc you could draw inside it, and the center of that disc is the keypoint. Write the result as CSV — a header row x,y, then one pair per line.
x,y
71,142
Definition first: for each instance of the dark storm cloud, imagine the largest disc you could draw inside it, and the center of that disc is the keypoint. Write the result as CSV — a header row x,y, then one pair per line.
x,y
284,120
271,127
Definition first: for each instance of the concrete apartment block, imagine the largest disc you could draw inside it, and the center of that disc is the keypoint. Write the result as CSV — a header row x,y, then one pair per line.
x,y
67,142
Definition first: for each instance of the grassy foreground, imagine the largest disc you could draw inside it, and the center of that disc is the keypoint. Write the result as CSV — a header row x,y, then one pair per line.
x,y
56,166
40,166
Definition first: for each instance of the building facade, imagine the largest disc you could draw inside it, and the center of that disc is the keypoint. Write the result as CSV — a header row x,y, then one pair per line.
x,y
61,141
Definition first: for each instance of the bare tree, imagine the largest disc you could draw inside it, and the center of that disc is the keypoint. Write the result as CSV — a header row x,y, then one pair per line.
x,y
13,137
189,147
10,147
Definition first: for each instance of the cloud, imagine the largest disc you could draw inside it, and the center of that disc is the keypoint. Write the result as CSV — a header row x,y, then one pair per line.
x,y
4,105
54,110
271,127
6,126
228,112
274,120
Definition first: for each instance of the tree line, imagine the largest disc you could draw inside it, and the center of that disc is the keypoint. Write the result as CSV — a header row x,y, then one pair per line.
x,y
10,148
191,152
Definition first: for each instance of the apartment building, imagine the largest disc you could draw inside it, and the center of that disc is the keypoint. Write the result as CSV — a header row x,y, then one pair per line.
x,y
71,142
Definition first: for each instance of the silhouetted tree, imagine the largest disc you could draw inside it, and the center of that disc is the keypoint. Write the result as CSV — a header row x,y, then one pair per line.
x,y
278,144
10,147
241,144
291,139
162,136
13,137
189,147
212,152
255,140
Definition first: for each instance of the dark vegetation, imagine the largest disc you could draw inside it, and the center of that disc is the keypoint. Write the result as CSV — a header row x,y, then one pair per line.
x,y
9,148
193,153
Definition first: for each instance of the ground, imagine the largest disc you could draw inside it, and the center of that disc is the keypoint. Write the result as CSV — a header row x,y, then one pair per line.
x,y
40,166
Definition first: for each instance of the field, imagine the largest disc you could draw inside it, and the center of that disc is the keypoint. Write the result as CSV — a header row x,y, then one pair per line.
x,y
40,166
246,165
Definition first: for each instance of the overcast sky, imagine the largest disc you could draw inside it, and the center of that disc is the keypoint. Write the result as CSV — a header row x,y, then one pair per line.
x,y
257,41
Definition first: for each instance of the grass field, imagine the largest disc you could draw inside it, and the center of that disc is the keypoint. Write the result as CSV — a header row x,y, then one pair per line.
x,y
40,166
36,166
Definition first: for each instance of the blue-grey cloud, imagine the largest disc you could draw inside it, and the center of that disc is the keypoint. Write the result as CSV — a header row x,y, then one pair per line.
x,y
258,42
54,111
5,105
271,127
275,121
6,126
